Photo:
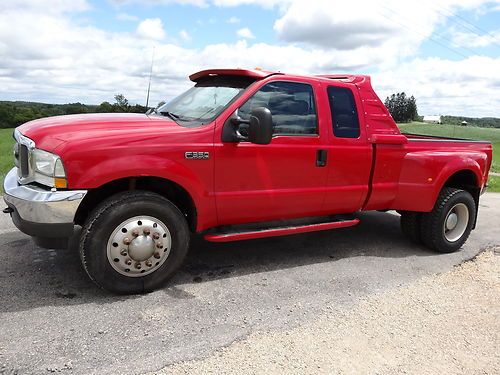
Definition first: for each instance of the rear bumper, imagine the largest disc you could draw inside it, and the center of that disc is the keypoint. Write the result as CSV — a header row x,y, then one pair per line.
x,y
40,212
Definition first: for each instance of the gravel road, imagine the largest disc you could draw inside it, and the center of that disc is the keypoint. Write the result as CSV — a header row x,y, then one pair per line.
x,y
442,324
54,320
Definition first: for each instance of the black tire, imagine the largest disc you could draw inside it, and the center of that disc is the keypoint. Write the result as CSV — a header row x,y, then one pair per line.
x,y
410,225
107,216
432,229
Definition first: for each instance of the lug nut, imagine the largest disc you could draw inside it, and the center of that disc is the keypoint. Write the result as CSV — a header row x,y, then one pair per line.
x,y
138,266
123,252
156,235
146,231
135,232
157,255
148,263
128,262
126,241
159,246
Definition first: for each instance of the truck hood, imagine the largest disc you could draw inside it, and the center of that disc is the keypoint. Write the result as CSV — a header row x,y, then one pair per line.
x,y
51,132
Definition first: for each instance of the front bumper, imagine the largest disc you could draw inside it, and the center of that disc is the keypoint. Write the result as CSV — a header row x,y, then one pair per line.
x,y
39,212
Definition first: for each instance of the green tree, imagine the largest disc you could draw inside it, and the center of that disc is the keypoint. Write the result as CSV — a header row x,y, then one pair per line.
x,y
74,108
13,114
105,107
401,107
121,103
7,113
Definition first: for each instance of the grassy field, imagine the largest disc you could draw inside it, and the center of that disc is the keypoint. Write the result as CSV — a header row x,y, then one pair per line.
x,y
468,132
488,134
6,156
494,184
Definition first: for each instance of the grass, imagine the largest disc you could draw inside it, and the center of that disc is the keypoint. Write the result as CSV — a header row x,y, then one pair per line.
x,y
6,156
495,166
494,183
469,132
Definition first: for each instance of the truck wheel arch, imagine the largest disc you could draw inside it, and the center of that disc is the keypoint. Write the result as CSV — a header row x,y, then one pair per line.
x,y
468,180
465,179
169,189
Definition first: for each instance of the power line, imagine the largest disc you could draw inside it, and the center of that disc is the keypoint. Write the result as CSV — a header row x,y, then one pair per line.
x,y
465,23
430,37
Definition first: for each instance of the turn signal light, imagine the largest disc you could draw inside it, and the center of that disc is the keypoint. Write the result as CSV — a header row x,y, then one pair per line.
x,y
60,183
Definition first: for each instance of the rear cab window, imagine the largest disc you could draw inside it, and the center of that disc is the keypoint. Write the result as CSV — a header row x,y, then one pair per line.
x,y
344,113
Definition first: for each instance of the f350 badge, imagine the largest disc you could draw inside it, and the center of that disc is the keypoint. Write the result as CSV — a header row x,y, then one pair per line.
x,y
197,155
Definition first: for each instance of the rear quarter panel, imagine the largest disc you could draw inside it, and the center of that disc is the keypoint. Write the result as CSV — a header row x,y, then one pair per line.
x,y
426,165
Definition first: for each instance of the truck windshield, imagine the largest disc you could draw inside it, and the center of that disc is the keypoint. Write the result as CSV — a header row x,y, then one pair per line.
x,y
202,103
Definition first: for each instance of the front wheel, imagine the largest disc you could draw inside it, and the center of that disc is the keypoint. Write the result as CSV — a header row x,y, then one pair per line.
x,y
133,242
448,225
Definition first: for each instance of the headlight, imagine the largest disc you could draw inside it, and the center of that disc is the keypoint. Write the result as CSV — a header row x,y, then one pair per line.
x,y
49,169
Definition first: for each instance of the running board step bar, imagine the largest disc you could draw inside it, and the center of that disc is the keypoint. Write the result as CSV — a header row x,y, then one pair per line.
x,y
279,231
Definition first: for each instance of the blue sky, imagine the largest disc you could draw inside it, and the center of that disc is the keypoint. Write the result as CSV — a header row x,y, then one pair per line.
x,y
206,25
211,25
445,53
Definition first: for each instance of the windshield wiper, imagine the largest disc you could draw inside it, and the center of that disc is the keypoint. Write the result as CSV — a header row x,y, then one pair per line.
x,y
173,116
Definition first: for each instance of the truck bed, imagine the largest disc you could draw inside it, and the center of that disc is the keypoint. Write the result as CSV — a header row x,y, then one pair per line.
x,y
433,138
422,167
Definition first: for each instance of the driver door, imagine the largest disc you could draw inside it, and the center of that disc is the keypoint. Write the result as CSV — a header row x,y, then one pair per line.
x,y
280,180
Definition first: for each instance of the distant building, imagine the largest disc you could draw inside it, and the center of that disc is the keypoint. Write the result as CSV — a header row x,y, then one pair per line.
x,y
433,119
464,123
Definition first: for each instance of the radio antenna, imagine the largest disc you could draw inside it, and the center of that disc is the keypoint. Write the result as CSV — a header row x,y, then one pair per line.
x,y
150,75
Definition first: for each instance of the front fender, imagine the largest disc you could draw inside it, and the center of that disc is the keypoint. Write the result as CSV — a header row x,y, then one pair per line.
x,y
197,184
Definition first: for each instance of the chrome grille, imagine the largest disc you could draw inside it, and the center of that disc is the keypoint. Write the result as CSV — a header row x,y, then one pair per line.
x,y
22,155
24,161
16,154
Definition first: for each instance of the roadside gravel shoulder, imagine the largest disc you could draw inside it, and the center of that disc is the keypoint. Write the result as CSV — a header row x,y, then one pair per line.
x,y
442,324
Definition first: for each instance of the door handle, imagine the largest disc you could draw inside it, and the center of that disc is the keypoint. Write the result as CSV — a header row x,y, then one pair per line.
x,y
321,156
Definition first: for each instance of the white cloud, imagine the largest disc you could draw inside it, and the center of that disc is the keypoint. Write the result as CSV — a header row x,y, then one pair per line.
x,y
126,17
198,3
45,6
245,33
475,40
261,3
387,30
53,58
205,3
465,87
185,35
233,20
151,28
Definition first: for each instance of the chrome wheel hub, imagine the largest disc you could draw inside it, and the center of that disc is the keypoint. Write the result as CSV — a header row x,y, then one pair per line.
x,y
139,246
456,222
452,221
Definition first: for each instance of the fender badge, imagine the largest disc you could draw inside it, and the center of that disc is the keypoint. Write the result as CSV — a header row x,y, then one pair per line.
x,y
197,155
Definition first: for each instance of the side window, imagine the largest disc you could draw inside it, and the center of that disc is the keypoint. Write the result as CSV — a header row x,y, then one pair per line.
x,y
344,114
291,105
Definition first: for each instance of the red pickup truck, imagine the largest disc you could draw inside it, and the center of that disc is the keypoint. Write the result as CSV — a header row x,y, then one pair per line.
x,y
242,154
